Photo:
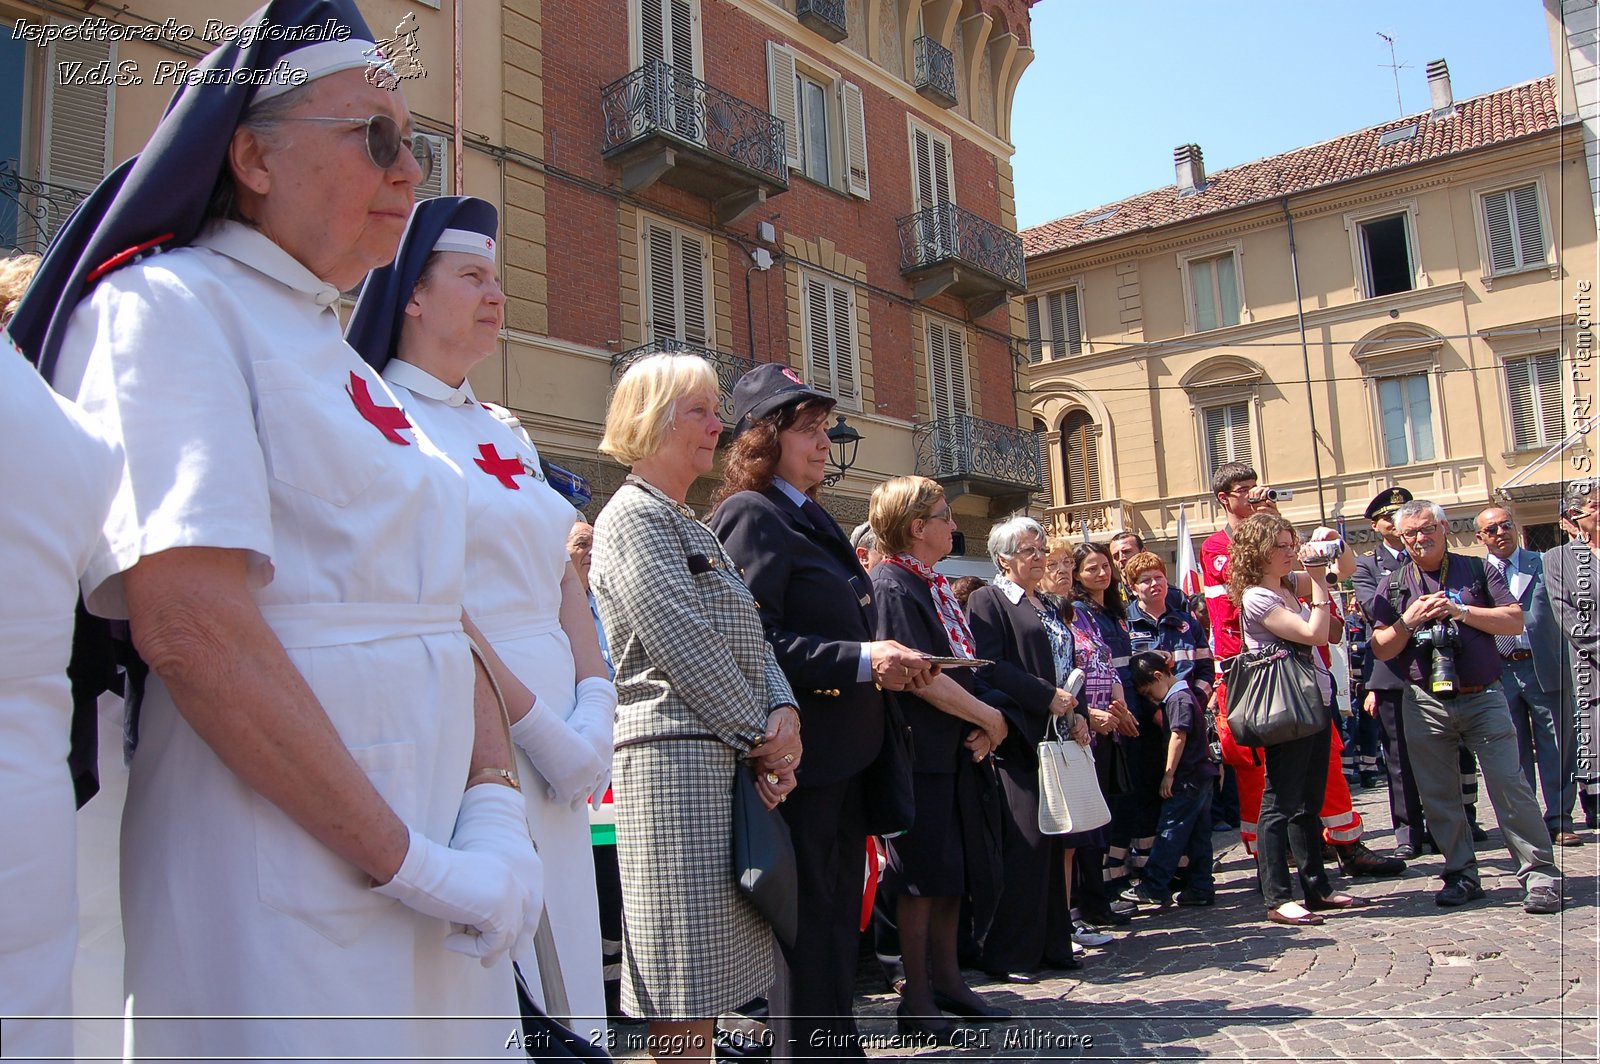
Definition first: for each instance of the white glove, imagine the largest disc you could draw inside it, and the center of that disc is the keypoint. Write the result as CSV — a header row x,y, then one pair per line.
x,y
568,761
494,820
598,798
477,890
594,715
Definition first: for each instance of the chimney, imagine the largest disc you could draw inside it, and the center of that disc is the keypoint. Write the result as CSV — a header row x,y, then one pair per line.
x,y
1191,168
1439,87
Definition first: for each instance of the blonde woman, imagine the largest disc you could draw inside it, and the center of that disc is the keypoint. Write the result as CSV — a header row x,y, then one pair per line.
x,y
699,690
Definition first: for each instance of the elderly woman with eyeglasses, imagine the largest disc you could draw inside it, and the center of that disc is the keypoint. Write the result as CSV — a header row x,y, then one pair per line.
x,y
952,731
322,816
1028,634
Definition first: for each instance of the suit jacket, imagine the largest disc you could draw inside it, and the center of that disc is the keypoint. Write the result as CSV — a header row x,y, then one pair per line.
x,y
1369,577
815,602
905,611
1012,636
1570,575
1544,633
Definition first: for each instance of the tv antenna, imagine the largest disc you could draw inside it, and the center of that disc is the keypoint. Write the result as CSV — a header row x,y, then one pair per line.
x,y
1396,67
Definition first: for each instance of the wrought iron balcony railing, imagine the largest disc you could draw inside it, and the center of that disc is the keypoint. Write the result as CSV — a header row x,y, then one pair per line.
x,y
934,75
947,233
31,212
658,99
824,17
729,367
984,452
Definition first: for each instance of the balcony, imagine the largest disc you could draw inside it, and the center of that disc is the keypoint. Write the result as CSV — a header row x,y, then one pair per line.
x,y
945,249
825,18
663,125
729,367
934,73
970,456
31,212
1102,516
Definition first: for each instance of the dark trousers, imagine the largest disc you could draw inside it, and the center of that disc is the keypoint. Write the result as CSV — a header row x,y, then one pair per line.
x,y
1297,773
1360,734
813,991
608,891
1018,938
1405,808
1184,830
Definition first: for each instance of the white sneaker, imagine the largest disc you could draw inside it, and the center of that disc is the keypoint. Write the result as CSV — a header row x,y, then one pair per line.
x,y
1084,935
1077,950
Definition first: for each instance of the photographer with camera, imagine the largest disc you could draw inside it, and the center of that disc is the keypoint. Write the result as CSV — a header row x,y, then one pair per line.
x,y
1436,617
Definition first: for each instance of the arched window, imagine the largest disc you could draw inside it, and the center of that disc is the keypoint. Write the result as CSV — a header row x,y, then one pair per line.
x,y
1080,459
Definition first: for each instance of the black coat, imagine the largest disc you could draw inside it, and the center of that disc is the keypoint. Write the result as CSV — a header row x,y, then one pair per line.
x,y
906,612
1012,636
816,604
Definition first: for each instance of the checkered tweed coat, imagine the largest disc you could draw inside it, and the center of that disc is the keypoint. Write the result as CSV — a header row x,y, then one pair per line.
x,y
692,661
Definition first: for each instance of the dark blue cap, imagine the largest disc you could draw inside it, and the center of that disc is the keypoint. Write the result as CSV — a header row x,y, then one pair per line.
x,y
447,223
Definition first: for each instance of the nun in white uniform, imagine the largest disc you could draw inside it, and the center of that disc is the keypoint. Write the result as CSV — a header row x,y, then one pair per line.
x,y
60,470
288,549
425,321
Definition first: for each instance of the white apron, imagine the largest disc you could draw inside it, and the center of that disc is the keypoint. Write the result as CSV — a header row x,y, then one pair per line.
x,y
250,424
516,554
59,471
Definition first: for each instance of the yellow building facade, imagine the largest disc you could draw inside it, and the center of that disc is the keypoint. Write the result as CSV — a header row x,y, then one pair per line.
x,y
1407,305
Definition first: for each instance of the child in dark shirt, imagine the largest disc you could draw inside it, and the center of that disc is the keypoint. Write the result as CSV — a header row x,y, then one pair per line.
x,y
1186,789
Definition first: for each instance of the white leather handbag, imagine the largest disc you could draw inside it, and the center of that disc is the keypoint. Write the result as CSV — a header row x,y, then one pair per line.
x,y
1069,791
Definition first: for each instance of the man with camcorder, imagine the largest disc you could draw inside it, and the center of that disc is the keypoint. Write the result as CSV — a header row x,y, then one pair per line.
x,y
1437,616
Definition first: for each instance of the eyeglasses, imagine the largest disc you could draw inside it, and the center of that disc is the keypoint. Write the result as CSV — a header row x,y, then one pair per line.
x,y
1425,532
1292,545
1500,526
940,515
1030,552
384,141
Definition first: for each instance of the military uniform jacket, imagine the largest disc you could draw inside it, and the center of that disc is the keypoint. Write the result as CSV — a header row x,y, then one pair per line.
x,y
1369,577
816,608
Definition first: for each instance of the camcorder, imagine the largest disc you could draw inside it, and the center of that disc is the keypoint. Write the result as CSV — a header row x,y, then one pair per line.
x,y
1280,494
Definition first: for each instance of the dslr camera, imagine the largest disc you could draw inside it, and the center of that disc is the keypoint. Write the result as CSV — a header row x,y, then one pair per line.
x,y
1439,640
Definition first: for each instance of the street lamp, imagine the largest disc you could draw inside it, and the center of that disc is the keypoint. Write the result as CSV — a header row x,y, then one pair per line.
x,y
845,441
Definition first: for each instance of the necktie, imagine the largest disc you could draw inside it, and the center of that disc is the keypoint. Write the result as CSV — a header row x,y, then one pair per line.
x,y
819,517
1404,555
1506,644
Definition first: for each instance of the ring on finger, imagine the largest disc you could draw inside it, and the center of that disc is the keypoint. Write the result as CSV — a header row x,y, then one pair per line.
x,y
788,759
772,779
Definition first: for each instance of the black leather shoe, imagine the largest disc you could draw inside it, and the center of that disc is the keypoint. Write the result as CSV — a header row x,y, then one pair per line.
x,y
1458,892
1106,917
935,1030
1356,860
1478,834
980,1011
1406,852
1022,978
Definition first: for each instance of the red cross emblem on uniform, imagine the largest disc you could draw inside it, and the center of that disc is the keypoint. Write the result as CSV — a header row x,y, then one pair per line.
x,y
504,470
388,419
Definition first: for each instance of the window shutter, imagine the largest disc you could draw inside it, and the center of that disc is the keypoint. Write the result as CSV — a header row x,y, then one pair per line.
x,y
1530,235
844,353
854,112
653,31
1497,222
1035,340
939,370
695,306
683,17
77,143
1216,436
1044,496
436,183
661,310
922,181
1520,399
942,183
1552,410
781,91
1227,434
956,341
1074,326
819,351
1081,458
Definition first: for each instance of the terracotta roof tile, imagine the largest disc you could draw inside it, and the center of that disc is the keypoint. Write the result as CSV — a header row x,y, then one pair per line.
x,y
1495,117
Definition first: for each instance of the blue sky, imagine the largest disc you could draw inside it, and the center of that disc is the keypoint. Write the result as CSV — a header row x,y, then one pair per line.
x,y
1115,87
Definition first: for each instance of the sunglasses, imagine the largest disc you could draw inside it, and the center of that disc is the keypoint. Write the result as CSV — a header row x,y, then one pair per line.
x,y
384,141
1503,526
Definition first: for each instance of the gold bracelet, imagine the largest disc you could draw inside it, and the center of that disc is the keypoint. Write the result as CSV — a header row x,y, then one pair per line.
x,y
495,775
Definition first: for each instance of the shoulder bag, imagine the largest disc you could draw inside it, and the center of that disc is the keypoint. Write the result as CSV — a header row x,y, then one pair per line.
x,y
763,857
1069,791
1273,695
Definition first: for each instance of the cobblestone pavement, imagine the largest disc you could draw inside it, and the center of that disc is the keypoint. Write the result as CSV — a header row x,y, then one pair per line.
x,y
1400,979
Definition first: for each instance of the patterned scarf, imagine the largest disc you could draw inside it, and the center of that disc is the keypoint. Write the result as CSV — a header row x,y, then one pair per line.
x,y
962,645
